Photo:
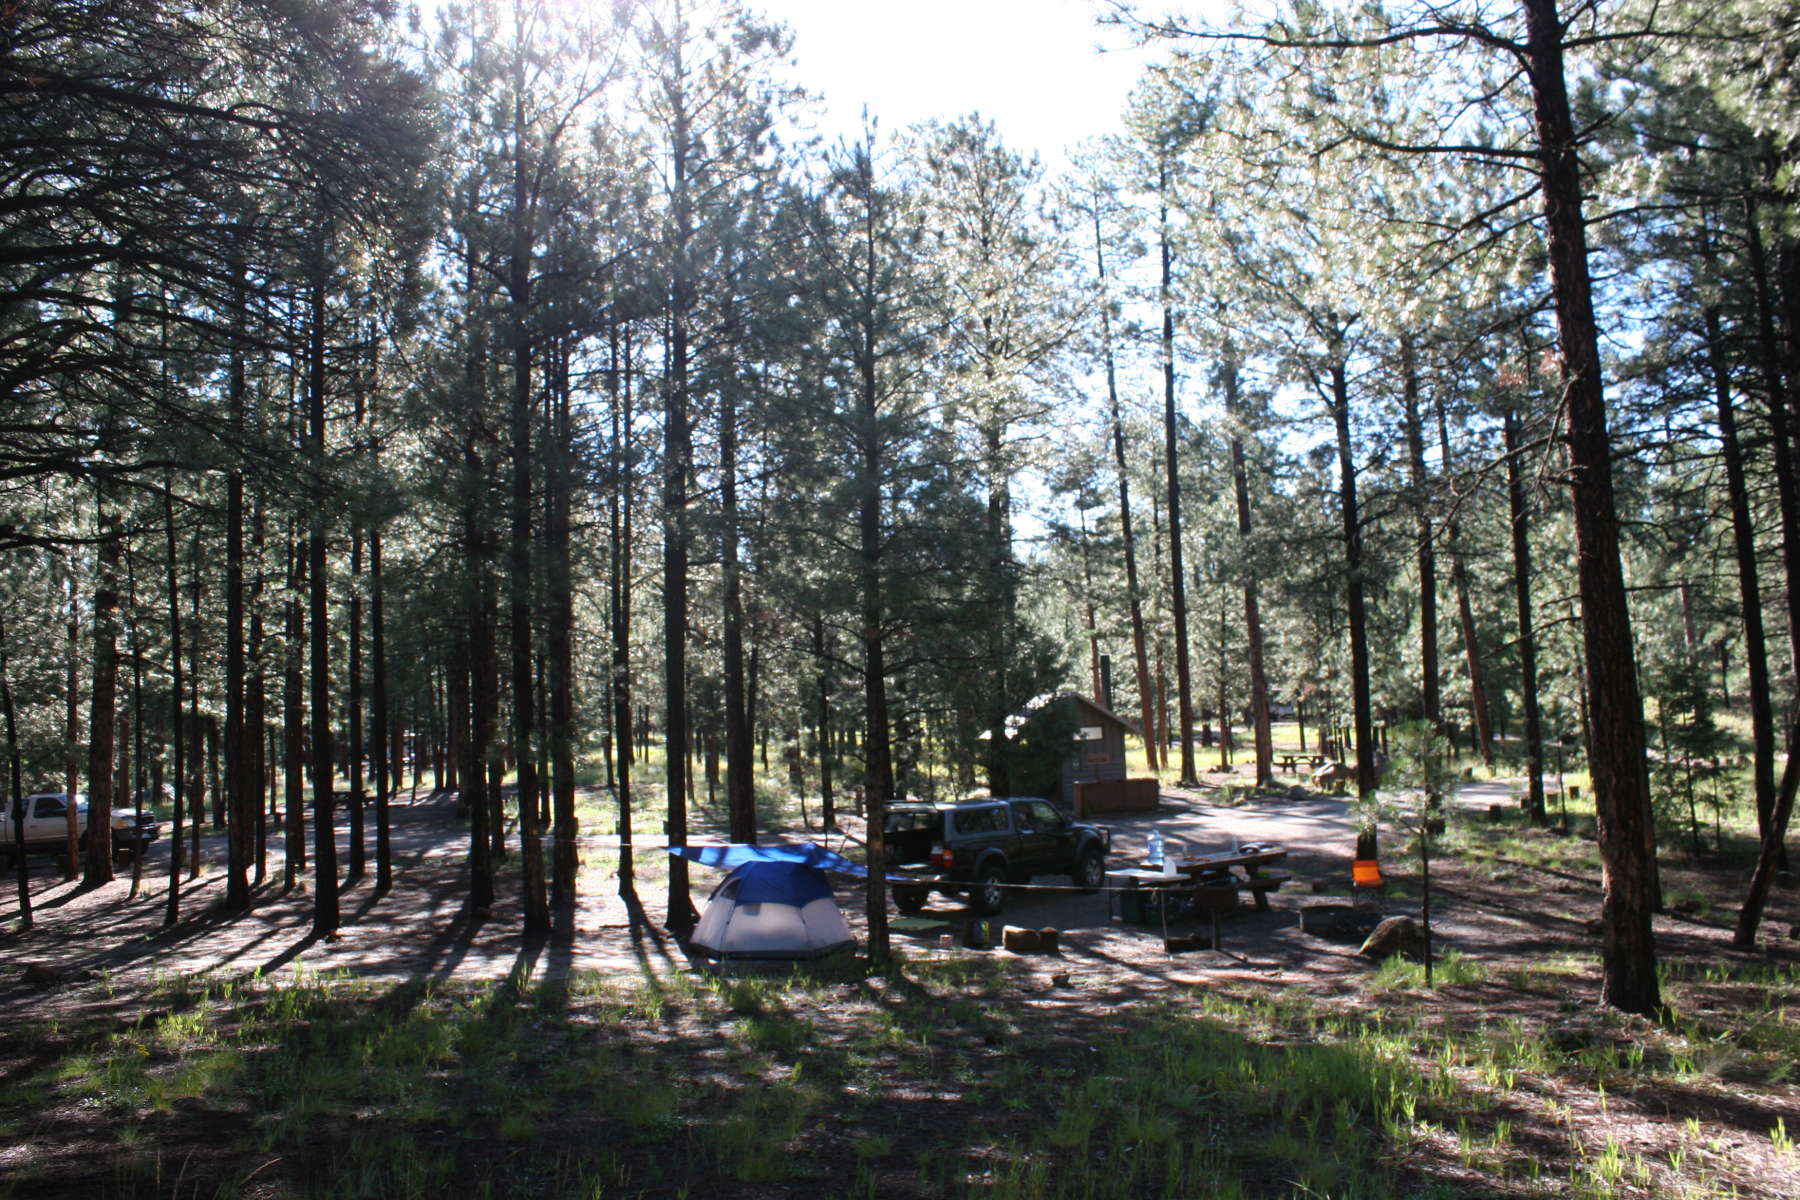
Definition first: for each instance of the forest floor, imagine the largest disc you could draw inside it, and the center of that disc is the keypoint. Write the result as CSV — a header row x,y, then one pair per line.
x,y
428,1047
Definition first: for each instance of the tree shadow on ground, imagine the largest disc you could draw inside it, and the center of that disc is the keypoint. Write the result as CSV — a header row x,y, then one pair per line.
x,y
924,1083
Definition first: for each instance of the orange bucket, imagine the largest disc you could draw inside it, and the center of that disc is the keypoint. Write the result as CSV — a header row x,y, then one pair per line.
x,y
1365,872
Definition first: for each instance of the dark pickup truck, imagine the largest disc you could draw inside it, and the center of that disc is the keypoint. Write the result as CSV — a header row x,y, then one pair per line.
x,y
975,847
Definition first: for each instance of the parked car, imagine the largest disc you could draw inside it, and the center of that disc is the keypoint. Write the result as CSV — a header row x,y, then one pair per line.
x,y
974,848
47,825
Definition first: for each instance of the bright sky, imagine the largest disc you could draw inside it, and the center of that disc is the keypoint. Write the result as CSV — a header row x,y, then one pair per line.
x,y
1029,66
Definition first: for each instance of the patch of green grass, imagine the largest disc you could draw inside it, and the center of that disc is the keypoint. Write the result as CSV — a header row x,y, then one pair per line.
x,y
976,975
1450,969
206,1074
1318,1106
872,1145
772,1031
752,1145
1511,843
517,1127
647,1110
939,1075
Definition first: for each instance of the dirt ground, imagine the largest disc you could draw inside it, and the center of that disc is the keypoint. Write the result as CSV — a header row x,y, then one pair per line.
x,y
103,949
424,929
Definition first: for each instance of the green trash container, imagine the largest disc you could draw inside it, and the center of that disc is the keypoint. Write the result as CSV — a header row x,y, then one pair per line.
x,y
1132,905
1145,905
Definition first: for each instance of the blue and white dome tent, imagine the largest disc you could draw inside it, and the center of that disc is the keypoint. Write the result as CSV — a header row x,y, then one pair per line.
x,y
775,905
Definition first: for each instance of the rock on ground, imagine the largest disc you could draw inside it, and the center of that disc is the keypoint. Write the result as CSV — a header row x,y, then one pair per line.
x,y
1396,935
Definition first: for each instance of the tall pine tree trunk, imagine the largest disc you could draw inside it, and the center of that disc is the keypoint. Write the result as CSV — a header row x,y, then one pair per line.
x,y
173,913
1253,629
740,794
1153,752
822,664
239,788
103,723
1783,399
1465,613
1616,711
541,741
677,452
478,641
196,727
1090,613
139,756
619,585
1356,609
497,741
536,901
1528,674
256,708
477,745
1222,679
384,774
72,728
359,863
15,795
561,649
1000,594
476,637
878,772
678,456
878,763
293,716
1430,688
1178,584
325,881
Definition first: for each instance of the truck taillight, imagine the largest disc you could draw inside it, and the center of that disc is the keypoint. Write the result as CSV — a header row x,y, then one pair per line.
x,y
940,857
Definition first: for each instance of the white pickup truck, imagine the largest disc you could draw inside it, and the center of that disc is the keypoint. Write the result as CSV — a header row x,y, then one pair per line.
x,y
47,825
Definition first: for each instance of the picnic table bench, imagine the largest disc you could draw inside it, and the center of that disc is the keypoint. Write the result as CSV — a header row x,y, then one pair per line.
x,y
1290,763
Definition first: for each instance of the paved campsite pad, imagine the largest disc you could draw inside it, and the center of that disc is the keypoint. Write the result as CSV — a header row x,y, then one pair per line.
x,y
1511,915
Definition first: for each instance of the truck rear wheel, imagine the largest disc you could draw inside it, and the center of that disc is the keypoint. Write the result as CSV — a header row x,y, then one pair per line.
x,y
910,897
989,894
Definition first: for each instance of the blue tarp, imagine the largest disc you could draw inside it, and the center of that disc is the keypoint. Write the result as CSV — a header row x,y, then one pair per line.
x,y
774,882
805,854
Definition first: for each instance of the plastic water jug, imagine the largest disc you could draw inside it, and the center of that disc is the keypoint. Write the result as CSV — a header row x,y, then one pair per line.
x,y
1156,848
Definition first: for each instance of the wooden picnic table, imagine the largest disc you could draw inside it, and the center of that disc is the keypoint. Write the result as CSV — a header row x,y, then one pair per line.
x,y
1245,856
1207,883
1216,870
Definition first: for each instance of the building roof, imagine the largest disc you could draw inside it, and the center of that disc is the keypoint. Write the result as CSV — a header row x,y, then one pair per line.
x,y
1130,725
1017,721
